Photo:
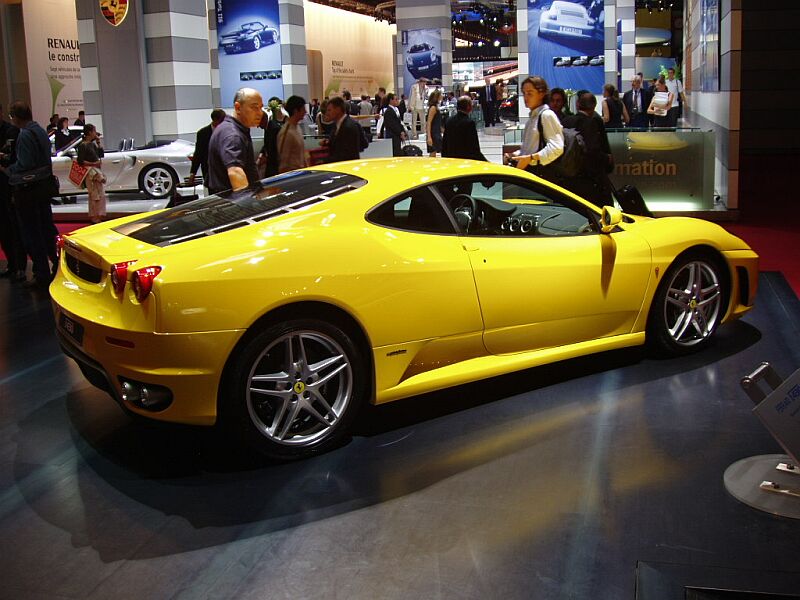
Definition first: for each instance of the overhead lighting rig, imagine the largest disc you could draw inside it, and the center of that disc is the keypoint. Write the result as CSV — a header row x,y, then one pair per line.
x,y
652,6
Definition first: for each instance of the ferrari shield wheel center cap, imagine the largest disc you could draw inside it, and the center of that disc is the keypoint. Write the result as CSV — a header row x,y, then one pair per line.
x,y
693,304
299,387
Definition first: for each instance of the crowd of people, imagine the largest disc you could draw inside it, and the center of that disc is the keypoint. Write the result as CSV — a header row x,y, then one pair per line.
x,y
225,154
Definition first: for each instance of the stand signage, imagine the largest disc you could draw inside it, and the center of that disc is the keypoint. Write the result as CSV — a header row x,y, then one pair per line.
x,y
422,56
566,43
54,59
248,34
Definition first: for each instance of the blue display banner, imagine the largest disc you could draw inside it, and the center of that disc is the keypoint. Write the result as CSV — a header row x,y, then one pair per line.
x,y
422,55
248,33
566,43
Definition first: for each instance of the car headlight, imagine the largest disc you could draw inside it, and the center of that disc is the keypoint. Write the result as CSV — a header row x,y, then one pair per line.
x,y
551,16
433,56
409,61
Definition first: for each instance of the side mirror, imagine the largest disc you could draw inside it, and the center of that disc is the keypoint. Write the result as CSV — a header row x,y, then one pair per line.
x,y
610,218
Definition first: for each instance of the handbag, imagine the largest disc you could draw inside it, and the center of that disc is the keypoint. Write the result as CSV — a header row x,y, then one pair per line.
x,y
77,173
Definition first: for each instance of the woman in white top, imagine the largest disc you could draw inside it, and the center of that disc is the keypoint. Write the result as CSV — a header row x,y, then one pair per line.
x,y
535,154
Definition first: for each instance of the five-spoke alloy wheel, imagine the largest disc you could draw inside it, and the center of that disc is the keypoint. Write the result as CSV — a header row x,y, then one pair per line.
x,y
158,181
688,305
297,387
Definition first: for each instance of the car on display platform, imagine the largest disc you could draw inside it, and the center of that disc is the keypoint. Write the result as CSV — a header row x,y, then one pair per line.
x,y
249,37
156,169
564,61
566,19
422,60
597,60
580,61
279,310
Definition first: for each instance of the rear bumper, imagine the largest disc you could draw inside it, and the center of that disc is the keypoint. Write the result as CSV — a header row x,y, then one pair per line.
x,y
190,365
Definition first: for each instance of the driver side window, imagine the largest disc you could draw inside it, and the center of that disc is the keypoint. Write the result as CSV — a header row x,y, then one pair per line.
x,y
418,210
516,207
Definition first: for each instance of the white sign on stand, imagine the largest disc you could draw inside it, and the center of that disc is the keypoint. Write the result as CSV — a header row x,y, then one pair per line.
x,y
780,414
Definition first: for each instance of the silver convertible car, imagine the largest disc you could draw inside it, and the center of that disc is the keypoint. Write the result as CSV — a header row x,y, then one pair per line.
x,y
155,169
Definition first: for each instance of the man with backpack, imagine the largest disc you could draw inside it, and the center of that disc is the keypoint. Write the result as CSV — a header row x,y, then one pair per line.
x,y
592,182
543,136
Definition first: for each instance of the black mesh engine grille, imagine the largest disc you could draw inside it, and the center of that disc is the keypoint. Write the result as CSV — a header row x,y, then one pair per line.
x,y
84,270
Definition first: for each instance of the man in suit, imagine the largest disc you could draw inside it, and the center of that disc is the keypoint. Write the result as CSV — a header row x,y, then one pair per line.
x,y
460,135
392,125
10,236
487,103
345,141
200,155
81,120
636,101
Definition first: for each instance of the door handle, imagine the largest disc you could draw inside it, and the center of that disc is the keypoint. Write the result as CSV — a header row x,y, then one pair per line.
x,y
116,162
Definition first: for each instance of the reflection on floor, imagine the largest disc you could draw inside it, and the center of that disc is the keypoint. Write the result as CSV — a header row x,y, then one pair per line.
x,y
557,482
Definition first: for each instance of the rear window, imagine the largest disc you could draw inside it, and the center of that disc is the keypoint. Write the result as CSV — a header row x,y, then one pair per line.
x,y
230,210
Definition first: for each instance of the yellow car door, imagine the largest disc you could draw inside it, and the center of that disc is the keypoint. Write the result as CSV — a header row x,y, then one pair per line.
x,y
545,275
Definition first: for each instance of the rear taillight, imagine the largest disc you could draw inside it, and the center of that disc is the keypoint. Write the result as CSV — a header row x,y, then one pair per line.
x,y
119,275
143,281
61,241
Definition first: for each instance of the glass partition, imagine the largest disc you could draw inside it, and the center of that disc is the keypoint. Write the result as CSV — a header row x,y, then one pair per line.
x,y
672,168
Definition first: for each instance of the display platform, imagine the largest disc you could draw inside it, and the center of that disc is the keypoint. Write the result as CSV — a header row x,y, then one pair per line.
x,y
554,482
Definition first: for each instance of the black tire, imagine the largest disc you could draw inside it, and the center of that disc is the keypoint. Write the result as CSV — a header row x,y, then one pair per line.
x,y
158,181
689,304
276,414
256,43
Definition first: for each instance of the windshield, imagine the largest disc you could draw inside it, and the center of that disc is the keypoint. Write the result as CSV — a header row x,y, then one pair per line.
x,y
419,48
230,210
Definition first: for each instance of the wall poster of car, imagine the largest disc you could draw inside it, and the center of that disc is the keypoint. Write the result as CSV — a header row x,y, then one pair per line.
x,y
567,34
249,48
422,49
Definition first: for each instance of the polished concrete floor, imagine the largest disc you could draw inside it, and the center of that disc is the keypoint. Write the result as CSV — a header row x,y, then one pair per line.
x,y
581,480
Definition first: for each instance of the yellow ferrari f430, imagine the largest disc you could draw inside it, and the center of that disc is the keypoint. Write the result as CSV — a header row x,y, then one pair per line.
x,y
283,308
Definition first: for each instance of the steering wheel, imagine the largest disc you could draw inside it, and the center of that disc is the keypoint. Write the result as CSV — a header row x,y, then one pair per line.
x,y
466,205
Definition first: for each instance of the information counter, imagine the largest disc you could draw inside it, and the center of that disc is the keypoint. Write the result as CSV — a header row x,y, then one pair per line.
x,y
672,168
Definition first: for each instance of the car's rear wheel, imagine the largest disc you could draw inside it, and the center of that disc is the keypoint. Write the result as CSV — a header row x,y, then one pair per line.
x,y
689,305
295,388
158,181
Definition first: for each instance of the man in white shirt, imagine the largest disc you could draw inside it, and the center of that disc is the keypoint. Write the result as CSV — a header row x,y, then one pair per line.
x,y
676,88
416,104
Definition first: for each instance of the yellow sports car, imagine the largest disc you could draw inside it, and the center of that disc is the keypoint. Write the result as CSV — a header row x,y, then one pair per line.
x,y
281,309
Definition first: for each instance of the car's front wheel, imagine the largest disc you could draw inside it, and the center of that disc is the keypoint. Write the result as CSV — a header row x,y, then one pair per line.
x,y
158,181
256,43
295,388
688,306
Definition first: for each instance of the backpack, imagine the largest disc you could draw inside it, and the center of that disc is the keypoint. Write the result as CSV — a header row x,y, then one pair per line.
x,y
570,163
